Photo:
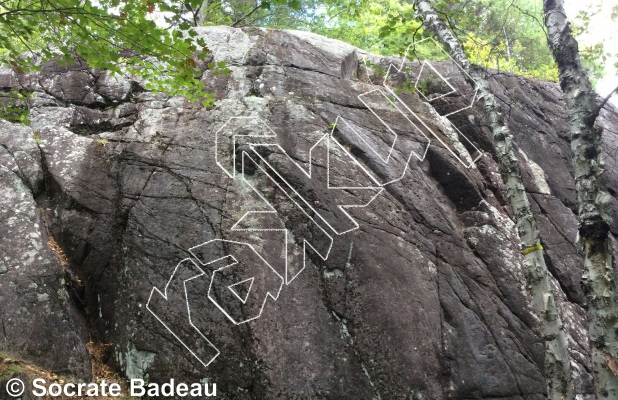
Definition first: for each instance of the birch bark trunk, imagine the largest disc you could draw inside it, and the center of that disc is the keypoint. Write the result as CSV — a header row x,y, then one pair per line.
x,y
599,285
202,14
557,360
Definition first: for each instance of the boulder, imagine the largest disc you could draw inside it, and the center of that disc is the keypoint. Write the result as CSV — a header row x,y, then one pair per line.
x,y
313,235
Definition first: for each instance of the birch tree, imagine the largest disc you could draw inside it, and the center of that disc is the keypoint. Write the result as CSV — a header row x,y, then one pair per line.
x,y
557,360
583,108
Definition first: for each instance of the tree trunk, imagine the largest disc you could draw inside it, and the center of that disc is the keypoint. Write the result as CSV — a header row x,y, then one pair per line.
x,y
557,360
202,13
593,200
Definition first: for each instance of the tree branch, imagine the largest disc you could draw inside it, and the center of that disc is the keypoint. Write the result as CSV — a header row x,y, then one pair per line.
x,y
597,110
247,15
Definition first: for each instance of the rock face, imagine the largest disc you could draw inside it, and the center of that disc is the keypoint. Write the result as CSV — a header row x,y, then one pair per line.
x,y
37,312
418,292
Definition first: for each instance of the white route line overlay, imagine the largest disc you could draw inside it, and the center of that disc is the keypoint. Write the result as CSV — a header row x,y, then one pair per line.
x,y
235,261
288,278
435,71
329,139
394,69
250,280
165,296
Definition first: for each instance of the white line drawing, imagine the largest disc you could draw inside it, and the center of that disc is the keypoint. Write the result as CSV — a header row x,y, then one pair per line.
x,y
392,69
241,297
392,147
235,262
341,123
165,295
425,63
289,275
361,98
268,133
202,274
227,149
376,190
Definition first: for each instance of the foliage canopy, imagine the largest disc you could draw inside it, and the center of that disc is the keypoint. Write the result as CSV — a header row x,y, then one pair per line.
x,y
122,36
